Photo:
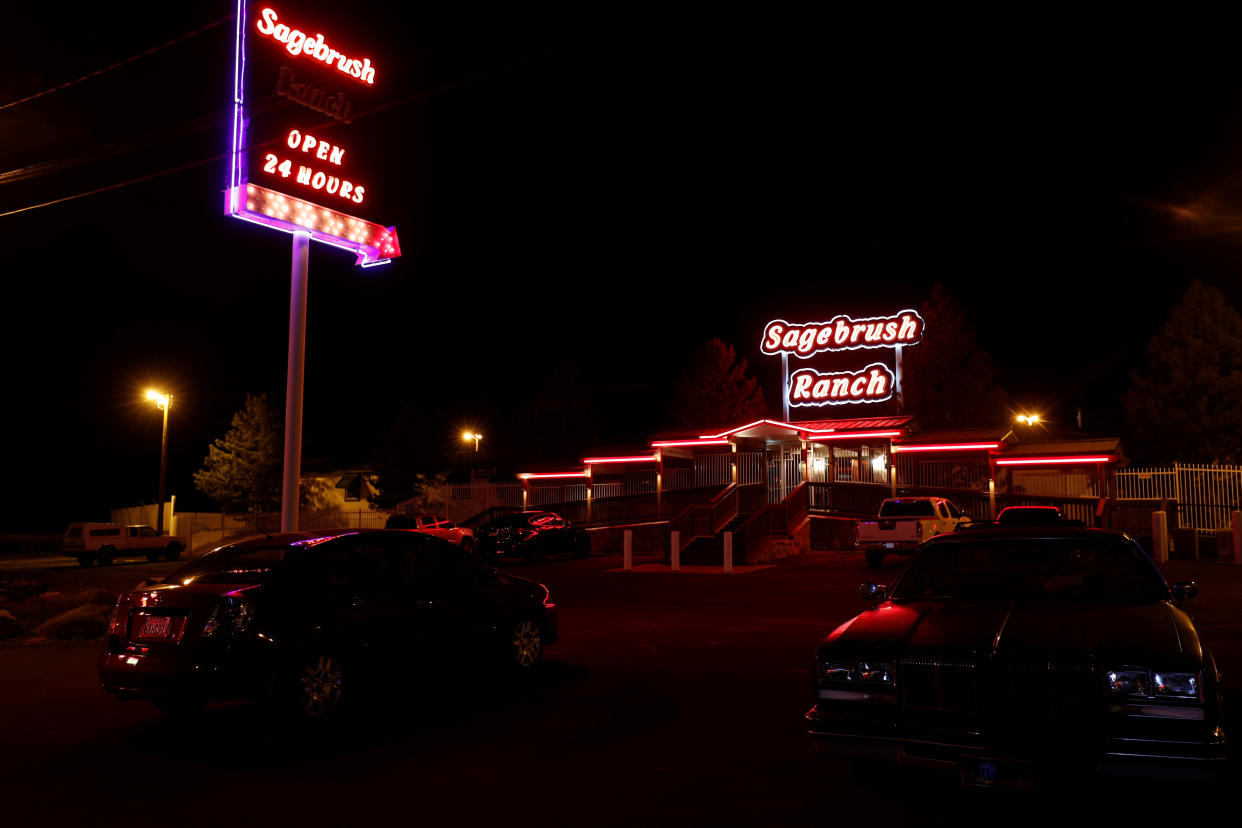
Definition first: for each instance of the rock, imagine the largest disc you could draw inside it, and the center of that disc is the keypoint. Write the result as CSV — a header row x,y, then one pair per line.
x,y
10,627
96,596
86,621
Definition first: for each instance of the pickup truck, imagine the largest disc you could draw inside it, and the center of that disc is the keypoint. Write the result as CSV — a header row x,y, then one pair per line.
x,y
905,522
104,542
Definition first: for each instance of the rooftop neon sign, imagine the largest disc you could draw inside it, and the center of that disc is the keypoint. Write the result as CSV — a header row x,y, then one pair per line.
x,y
842,333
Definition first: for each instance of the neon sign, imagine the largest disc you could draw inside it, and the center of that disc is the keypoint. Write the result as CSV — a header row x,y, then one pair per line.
x,y
296,42
809,387
842,333
283,142
875,383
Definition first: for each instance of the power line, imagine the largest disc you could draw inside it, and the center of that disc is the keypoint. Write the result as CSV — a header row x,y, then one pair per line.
x,y
120,63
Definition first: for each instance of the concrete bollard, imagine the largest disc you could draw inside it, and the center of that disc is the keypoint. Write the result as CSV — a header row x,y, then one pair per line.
x,y
627,549
676,550
1160,536
728,551
1237,536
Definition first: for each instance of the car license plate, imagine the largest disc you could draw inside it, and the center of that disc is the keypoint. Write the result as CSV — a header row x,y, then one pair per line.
x,y
156,626
996,773
889,545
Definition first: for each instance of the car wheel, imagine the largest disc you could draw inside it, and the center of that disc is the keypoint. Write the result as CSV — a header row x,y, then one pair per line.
x,y
875,558
153,556
173,552
106,555
85,560
319,687
535,554
582,547
467,544
525,644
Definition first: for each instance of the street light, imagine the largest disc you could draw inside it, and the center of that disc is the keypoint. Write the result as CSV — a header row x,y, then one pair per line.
x,y
467,436
163,402
1028,419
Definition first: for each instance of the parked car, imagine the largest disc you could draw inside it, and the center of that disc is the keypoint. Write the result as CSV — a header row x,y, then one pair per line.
x,y
905,522
437,526
303,618
105,542
532,536
1007,655
1028,515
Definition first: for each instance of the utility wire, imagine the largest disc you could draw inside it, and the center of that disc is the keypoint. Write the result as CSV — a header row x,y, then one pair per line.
x,y
121,63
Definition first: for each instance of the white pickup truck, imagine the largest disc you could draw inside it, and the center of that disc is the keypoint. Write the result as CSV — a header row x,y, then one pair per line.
x,y
104,542
905,522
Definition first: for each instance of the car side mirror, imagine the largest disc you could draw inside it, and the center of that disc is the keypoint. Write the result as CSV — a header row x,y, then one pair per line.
x,y
875,593
1184,590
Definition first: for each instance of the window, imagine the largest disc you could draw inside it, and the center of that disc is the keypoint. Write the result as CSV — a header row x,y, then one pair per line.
x,y
106,533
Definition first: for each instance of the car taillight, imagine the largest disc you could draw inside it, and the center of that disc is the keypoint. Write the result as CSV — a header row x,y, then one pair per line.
x,y
232,615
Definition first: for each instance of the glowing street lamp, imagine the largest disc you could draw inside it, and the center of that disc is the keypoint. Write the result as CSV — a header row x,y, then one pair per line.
x,y
468,436
1028,419
163,402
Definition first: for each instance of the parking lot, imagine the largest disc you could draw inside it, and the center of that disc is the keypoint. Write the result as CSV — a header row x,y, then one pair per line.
x,y
671,699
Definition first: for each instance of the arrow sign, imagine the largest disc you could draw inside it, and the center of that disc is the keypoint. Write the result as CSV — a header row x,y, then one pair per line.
x,y
374,244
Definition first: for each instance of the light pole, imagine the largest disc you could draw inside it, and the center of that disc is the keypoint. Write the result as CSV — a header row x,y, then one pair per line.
x,y
467,436
163,402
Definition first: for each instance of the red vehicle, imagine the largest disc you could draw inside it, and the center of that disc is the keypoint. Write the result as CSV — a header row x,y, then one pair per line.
x,y
437,526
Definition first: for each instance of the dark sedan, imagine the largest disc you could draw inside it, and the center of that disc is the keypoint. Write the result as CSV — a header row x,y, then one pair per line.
x,y
1013,654
304,619
532,536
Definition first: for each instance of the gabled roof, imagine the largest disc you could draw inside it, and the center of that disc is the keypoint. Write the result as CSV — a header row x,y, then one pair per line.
x,y
854,423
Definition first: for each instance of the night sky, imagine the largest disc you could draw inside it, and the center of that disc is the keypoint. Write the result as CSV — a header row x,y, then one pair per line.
x,y
605,189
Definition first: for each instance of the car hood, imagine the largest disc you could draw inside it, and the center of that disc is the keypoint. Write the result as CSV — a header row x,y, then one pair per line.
x,y
1158,629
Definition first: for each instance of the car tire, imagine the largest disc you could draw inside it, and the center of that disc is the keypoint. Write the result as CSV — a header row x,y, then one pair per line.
x,y
106,555
875,558
318,687
467,544
535,554
525,645
85,560
153,556
582,547
173,552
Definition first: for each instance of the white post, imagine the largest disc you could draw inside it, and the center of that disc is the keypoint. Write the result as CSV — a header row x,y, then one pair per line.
x,y
676,550
728,551
1160,536
627,549
1237,536
294,383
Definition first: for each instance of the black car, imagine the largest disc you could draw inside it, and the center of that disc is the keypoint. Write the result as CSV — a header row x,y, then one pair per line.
x,y
306,618
1008,655
532,536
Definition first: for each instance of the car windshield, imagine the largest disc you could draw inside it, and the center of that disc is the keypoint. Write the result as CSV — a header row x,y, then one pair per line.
x,y
520,519
1091,569
233,565
907,508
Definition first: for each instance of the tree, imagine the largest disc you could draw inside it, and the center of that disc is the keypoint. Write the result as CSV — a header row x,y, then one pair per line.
x,y
404,456
561,422
1188,404
947,380
716,390
243,469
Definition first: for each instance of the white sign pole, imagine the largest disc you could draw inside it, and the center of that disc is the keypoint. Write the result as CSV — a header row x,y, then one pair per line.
x,y
294,382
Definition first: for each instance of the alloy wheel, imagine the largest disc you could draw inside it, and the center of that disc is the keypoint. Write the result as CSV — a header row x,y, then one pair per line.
x,y
527,643
321,685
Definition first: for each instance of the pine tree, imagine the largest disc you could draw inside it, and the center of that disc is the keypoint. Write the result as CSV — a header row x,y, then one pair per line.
x,y
243,469
1188,404
716,390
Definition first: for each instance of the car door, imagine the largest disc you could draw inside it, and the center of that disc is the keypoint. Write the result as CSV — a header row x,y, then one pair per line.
x,y
459,603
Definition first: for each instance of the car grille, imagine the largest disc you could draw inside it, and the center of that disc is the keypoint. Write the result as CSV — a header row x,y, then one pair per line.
x,y
1019,694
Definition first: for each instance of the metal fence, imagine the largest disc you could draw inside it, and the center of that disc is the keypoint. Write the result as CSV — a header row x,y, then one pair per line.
x,y
1204,496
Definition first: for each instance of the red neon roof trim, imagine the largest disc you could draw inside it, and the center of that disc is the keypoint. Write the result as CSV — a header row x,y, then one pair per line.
x,y
700,442
543,475
847,435
1048,461
948,447
640,458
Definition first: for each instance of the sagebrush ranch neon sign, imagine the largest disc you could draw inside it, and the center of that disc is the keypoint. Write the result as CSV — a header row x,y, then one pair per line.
x,y
875,383
293,169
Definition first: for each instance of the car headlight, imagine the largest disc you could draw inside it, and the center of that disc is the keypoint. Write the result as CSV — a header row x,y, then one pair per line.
x,y
1148,684
854,671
